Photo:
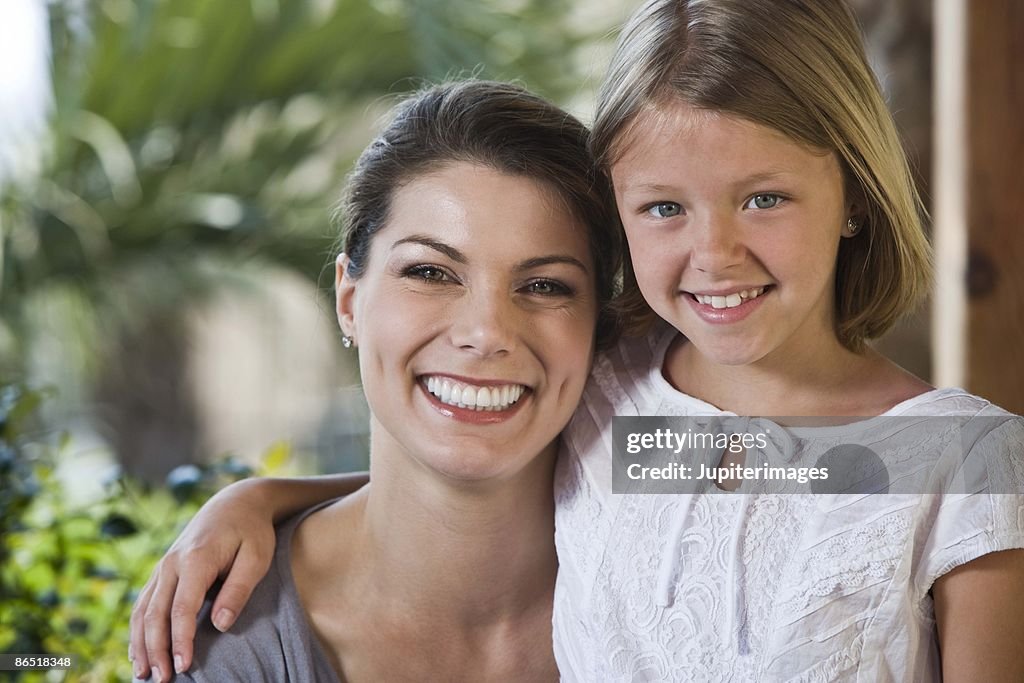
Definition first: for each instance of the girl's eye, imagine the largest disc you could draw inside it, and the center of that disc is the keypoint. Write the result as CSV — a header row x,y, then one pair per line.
x,y
765,200
664,210
429,273
547,288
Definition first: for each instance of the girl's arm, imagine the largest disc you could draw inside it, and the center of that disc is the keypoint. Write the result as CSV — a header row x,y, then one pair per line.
x,y
979,611
232,536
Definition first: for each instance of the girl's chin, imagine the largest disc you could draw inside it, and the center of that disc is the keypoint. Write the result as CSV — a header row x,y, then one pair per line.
x,y
714,352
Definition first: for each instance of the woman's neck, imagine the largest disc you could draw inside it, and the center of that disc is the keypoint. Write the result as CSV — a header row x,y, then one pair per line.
x,y
478,552
469,554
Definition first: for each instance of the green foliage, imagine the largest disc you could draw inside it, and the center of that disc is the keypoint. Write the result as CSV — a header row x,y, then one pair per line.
x,y
194,128
194,140
69,575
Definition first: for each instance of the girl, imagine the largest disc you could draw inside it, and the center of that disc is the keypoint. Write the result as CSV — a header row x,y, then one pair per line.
x,y
773,229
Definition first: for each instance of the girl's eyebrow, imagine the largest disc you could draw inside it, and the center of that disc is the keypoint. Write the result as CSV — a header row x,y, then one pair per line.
x,y
646,187
446,249
764,176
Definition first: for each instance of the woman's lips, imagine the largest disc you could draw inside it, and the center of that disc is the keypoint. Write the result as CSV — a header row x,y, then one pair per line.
x,y
484,403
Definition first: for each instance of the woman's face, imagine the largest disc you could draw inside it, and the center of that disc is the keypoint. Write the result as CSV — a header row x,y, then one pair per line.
x,y
733,229
474,319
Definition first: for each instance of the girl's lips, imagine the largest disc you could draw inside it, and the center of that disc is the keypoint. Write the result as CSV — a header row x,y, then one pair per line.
x,y
729,315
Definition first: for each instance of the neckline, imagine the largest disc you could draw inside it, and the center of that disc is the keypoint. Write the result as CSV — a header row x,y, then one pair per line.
x,y
662,389
283,565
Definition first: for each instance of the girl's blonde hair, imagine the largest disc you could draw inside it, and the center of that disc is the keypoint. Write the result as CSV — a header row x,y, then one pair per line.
x,y
798,67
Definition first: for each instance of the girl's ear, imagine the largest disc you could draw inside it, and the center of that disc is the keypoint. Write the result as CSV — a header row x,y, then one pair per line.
x,y
344,296
856,206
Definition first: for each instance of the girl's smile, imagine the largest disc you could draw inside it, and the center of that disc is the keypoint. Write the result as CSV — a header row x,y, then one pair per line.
x,y
728,305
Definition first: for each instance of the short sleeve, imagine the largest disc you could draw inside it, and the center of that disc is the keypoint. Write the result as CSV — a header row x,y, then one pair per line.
x,y
984,510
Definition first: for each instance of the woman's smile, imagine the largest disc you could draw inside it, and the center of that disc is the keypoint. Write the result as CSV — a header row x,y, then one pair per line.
x,y
475,402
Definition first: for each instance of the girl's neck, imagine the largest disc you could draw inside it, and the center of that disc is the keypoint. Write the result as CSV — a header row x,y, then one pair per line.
x,y
821,380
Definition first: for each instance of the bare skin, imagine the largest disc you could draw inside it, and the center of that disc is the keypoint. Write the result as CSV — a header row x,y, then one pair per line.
x,y
978,608
871,385
382,590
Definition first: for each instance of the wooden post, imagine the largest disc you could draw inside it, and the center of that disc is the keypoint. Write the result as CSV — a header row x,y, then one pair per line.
x,y
995,206
986,262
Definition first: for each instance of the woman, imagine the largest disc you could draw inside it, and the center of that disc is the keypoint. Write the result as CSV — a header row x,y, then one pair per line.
x,y
478,247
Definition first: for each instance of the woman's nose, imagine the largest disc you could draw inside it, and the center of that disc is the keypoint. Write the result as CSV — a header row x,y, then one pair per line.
x,y
485,323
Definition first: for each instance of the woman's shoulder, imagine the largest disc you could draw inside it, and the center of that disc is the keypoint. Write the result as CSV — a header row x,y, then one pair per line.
x,y
271,639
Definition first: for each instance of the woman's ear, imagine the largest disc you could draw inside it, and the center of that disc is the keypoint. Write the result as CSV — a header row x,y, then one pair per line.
x,y
344,296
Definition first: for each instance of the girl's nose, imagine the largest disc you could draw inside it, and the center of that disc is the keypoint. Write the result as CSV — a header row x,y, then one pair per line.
x,y
717,246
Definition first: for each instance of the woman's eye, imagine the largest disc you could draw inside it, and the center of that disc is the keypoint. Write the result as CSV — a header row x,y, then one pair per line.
x,y
547,288
763,201
664,210
430,273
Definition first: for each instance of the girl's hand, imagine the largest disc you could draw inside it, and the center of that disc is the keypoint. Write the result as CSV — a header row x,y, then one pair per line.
x,y
232,535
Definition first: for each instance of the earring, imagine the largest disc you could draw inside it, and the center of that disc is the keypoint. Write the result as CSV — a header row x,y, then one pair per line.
x,y
347,341
852,227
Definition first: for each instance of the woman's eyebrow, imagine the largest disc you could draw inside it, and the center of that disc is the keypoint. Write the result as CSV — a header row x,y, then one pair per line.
x,y
446,249
539,261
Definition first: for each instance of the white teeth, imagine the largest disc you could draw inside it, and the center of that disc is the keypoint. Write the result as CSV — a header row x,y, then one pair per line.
x,y
730,301
476,398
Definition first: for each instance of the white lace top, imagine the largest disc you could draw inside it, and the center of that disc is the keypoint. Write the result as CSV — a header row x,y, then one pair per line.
x,y
758,587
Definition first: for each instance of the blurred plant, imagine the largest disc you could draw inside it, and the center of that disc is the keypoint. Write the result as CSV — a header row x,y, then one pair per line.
x,y
189,127
197,144
69,575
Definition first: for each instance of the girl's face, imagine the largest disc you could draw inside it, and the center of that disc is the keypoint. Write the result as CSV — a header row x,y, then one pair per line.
x,y
474,319
733,229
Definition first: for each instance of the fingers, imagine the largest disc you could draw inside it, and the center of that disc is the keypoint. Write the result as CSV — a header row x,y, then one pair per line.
x,y
249,567
193,584
156,622
137,642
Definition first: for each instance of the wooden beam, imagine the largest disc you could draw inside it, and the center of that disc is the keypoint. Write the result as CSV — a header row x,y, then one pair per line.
x,y
995,201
